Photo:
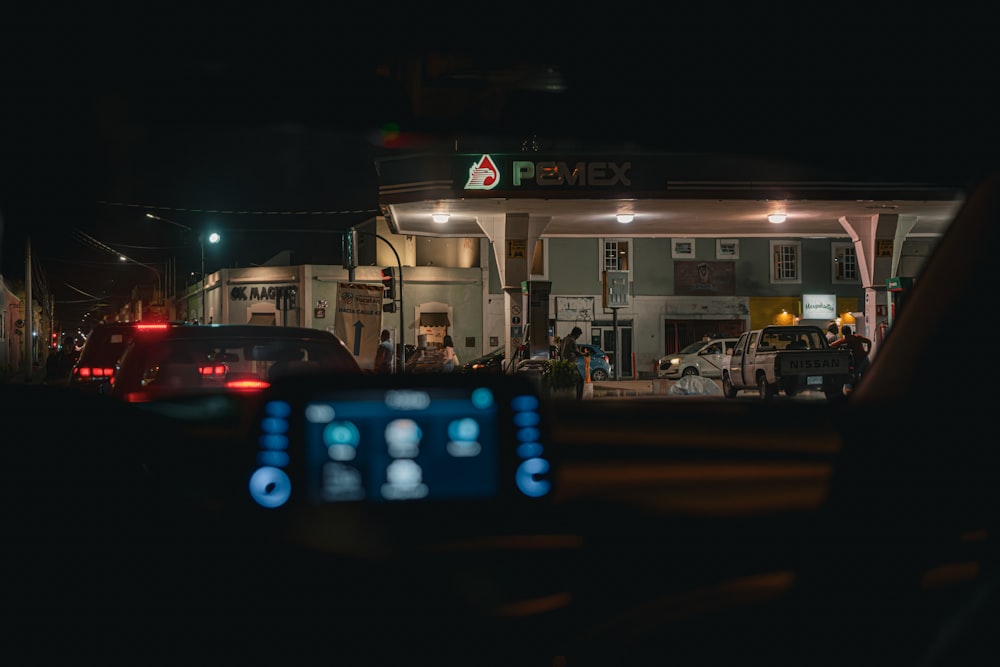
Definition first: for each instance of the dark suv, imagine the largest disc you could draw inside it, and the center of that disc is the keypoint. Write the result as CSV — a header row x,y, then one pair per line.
x,y
96,365
193,359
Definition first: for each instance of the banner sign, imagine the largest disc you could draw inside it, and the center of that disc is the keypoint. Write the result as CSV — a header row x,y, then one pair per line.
x,y
358,320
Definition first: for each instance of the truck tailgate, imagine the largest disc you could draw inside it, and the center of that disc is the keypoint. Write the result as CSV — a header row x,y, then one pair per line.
x,y
814,362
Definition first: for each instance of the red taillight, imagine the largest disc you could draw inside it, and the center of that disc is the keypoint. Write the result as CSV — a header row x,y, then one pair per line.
x,y
216,370
152,326
95,372
247,385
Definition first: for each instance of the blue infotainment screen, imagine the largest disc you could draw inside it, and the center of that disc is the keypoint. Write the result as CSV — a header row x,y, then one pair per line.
x,y
400,441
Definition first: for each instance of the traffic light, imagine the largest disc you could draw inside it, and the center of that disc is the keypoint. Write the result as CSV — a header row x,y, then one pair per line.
x,y
389,290
349,248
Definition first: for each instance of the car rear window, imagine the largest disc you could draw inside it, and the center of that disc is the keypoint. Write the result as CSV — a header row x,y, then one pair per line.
x,y
103,348
180,365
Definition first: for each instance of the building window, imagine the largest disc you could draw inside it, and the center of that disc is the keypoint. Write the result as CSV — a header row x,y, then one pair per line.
x,y
616,254
845,263
540,260
785,262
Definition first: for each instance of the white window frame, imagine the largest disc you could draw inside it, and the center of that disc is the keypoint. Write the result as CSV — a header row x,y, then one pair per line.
x,y
796,247
603,250
732,247
682,248
545,262
838,249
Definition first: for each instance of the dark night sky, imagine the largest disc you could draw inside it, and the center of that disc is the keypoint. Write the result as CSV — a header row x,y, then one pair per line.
x,y
278,107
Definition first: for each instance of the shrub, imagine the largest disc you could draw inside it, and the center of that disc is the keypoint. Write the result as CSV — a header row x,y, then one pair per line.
x,y
561,374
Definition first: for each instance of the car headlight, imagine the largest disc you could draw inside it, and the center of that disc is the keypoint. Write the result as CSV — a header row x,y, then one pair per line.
x,y
676,361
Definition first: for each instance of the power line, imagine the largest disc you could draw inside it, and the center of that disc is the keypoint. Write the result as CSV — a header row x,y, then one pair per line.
x,y
172,209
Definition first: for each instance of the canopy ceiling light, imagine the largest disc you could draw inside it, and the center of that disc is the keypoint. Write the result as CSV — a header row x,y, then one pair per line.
x,y
777,218
440,217
625,218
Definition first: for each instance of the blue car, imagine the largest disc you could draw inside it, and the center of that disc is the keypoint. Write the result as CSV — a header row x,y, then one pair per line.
x,y
600,366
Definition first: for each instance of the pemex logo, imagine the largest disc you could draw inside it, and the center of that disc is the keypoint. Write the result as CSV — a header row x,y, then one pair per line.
x,y
483,175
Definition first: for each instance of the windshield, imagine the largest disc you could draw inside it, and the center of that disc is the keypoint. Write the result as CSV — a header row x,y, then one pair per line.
x,y
418,298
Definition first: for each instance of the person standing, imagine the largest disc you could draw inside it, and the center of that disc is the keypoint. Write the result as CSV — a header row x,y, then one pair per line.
x,y
859,345
568,349
832,332
450,358
385,353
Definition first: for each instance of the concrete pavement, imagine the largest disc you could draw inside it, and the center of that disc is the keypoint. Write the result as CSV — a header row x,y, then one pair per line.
x,y
627,388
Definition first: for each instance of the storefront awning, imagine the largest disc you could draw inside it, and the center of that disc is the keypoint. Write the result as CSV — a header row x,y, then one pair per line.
x,y
266,319
434,320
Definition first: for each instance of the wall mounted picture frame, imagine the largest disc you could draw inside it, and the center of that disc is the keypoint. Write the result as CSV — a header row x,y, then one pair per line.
x,y
695,278
682,248
727,248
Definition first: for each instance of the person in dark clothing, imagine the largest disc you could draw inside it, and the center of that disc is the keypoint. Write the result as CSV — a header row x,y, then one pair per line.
x,y
859,345
568,349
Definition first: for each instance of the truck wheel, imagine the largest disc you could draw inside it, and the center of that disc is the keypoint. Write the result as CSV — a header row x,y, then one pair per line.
x,y
766,390
728,390
690,370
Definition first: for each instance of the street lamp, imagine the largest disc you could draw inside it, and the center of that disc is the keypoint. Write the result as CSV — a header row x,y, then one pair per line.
x,y
213,237
159,277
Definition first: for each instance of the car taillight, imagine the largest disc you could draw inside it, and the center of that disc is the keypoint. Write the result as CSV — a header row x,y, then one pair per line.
x,y
152,326
215,370
247,385
93,372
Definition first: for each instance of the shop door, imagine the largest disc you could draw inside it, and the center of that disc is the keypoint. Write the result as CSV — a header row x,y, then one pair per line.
x,y
620,351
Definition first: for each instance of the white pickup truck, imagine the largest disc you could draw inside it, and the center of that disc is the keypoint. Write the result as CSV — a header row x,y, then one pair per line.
x,y
791,359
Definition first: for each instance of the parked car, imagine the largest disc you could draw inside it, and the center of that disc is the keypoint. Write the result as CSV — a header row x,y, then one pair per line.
x,y
491,362
790,359
703,357
179,360
600,365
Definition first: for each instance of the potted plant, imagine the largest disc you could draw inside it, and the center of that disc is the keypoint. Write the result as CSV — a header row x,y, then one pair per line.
x,y
561,377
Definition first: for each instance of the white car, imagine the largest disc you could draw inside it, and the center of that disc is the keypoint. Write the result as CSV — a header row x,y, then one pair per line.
x,y
704,357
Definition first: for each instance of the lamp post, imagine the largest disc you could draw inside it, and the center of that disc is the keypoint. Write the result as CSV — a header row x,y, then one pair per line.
x,y
159,276
213,237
